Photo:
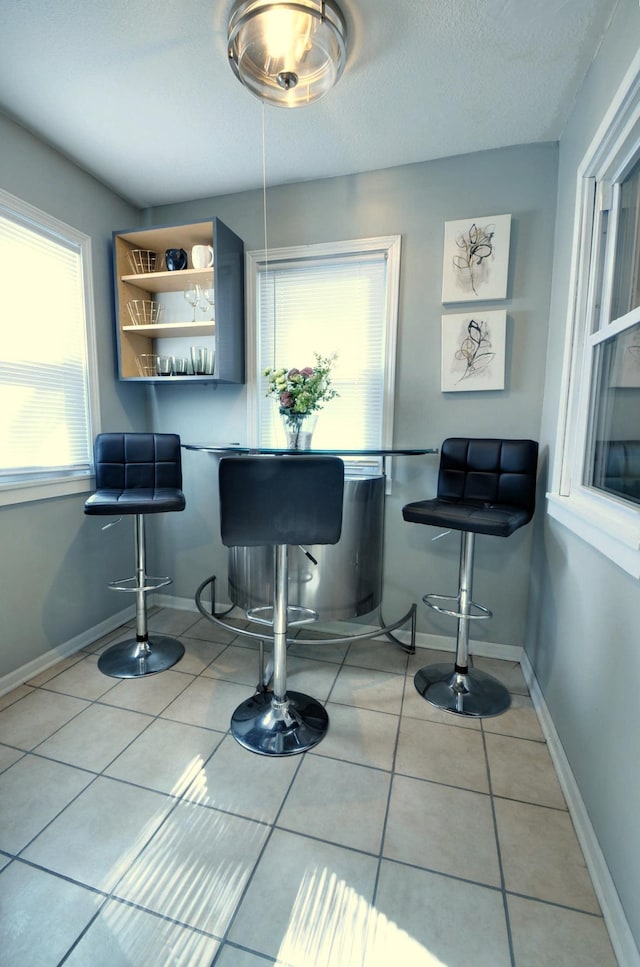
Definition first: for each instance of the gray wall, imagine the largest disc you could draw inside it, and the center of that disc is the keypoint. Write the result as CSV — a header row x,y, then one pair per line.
x,y
413,201
56,563
583,630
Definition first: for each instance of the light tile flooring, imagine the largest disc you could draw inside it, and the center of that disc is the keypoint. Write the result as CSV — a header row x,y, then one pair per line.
x,y
135,831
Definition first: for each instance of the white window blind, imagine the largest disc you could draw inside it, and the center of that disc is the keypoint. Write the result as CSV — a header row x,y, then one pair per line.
x,y
45,431
343,304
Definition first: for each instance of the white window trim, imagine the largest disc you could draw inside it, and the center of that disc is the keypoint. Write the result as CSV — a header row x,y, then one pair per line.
x,y
44,489
610,525
53,485
391,245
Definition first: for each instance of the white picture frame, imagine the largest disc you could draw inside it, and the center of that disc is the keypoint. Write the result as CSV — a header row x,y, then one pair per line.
x,y
473,351
475,263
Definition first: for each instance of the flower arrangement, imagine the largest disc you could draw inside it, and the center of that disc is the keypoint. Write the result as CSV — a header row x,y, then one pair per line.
x,y
302,391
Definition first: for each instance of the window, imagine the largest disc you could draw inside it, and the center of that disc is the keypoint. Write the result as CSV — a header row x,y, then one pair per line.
x,y
46,430
341,299
596,488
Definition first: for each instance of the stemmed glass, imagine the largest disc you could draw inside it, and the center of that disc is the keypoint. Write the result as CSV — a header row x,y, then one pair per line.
x,y
209,296
193,298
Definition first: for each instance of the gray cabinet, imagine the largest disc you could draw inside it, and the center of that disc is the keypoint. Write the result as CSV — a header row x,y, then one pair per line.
x,y
219,328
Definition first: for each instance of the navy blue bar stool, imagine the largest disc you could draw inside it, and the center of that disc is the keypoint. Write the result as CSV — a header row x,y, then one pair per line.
x,y
138,474
280,501
485,486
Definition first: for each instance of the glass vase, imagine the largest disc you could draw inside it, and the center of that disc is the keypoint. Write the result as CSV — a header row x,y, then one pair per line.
x,y
298,428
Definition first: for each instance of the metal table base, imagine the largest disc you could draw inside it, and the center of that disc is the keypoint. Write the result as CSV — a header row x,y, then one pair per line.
x,y
217,618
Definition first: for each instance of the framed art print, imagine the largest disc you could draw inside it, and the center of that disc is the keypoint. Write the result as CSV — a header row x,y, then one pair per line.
x,y
473,351
476,258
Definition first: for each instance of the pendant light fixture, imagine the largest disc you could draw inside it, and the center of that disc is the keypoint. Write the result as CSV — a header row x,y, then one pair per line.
x,y
287,52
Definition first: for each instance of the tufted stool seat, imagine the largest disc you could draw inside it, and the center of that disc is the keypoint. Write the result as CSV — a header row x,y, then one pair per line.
x,y
138,474
485,486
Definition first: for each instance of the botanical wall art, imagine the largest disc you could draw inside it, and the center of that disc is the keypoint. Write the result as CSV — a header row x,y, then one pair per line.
x,y
473,351
476,258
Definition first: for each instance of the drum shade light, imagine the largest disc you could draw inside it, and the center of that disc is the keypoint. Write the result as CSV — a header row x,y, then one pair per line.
x,y
287,53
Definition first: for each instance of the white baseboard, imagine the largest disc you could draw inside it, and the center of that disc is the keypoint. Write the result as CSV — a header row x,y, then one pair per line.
x,y
622,940
484,649
40,664
181,604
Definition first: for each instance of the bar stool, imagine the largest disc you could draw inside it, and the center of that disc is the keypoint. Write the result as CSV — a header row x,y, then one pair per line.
x,y
138,474
485,486
280,501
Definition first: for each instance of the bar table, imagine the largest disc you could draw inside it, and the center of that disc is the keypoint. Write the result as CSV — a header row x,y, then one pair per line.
x,y
337,582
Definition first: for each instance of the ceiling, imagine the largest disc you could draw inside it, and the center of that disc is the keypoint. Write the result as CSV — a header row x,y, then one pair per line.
x,y
140,94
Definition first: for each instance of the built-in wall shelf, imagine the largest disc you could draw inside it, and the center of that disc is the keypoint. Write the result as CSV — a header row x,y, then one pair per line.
x,y
178,281
137,345
174,329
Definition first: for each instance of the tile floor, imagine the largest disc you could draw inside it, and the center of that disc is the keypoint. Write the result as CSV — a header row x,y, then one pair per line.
x,y
135,831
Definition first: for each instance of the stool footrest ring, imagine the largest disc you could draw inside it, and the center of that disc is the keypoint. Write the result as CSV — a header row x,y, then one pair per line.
x,y
430,598
131,584
295,615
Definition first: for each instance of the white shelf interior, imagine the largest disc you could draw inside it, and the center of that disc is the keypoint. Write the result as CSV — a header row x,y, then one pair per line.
x,y
176,281
163,329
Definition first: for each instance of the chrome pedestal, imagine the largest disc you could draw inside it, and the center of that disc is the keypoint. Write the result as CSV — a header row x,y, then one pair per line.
x,y
141,655
455,687
472,693
264,725
133,658
276,722
338,581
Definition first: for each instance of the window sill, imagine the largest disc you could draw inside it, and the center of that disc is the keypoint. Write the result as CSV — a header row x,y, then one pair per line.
x,y
21,493
611,527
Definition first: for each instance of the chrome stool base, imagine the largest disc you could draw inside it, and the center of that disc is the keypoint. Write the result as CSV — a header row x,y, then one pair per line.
x,y
472,693
133,659
268,727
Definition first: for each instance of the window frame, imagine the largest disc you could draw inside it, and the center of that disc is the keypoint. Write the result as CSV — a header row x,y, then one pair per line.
x,y
59,483
608,523
391,246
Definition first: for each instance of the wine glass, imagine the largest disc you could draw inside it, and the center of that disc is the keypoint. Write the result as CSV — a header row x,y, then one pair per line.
x,y
209,297
192,296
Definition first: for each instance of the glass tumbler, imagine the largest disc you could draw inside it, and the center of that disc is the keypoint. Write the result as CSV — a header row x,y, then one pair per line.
x,y
201,360
179,365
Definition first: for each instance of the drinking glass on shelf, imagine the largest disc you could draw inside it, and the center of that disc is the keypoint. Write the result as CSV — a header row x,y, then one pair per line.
x,y
179,365
202,360
209,296
193,296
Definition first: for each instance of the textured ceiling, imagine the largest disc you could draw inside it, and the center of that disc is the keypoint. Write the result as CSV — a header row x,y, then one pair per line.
x,y
140,94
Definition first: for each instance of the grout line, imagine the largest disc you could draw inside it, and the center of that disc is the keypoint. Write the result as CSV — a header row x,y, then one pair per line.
x,y
134,906
389,794
503,886
556,904
258,861
433,871
234,945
